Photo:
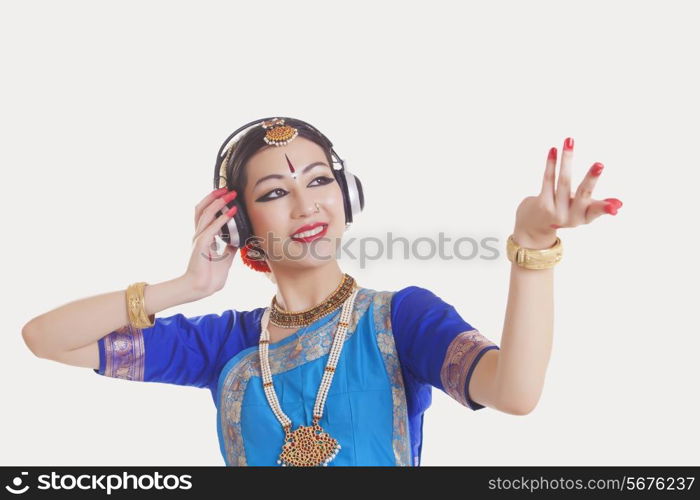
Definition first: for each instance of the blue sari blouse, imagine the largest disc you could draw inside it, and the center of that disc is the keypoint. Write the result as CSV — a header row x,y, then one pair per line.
x,y
398,346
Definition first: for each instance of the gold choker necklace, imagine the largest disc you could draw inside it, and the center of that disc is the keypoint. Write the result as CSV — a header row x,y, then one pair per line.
x,y
286,319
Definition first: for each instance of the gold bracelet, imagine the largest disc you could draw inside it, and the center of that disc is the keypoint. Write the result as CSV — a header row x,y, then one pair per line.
x,y
534,259
136,306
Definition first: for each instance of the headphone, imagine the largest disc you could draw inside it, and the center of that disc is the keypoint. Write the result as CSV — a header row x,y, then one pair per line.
x,y
239,229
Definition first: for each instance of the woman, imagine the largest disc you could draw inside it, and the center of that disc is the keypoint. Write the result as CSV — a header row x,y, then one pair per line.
x,y
330,373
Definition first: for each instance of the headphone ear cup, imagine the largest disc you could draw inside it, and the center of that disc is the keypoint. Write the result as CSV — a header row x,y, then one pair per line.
x,y
353,194
340,178
237,230
245,231
360,193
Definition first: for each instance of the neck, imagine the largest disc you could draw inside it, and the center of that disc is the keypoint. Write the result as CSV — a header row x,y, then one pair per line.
x,y
300,289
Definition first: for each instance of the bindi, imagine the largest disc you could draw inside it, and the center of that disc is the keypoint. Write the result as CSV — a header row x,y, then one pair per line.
x,y
291,167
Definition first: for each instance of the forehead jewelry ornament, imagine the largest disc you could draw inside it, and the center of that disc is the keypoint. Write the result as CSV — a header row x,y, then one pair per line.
x,y
278,134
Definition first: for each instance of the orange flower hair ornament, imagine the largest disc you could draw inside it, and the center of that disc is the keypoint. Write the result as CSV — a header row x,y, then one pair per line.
x,y
253,258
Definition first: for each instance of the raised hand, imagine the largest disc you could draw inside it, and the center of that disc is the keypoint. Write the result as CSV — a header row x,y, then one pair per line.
x,y
206,271
538,217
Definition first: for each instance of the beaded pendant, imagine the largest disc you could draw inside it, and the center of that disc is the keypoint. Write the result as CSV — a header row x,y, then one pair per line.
x,y
308,446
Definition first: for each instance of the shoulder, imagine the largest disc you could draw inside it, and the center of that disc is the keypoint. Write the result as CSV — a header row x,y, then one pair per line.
x,y
228,320
239,326
408,296
413,291
245,324
408,301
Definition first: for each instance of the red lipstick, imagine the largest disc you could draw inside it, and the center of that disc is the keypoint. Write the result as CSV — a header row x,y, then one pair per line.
x,y
308,227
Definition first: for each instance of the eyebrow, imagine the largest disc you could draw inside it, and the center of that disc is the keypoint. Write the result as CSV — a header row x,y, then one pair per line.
x,y
278,176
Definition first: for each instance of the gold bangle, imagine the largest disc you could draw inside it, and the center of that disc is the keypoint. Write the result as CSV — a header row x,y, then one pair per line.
x,y
136,306
534,259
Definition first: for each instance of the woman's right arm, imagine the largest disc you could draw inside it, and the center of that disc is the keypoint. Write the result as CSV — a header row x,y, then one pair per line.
x,y
69,333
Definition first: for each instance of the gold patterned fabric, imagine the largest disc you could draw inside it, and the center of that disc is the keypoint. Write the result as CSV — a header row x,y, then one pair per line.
x,y
124,354
459,364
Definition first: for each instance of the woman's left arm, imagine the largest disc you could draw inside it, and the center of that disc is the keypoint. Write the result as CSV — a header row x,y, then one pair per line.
x,y
513,377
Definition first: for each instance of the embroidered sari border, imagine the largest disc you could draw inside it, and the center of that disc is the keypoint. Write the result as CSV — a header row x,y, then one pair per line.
x,y
125,353
463,353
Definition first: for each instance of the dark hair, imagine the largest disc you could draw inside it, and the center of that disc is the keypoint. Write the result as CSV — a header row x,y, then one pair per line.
x,y
252,142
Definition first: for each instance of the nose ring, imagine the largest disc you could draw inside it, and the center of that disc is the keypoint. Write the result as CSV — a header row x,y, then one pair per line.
x,y
318,209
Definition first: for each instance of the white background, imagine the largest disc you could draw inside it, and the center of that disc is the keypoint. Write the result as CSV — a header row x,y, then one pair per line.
x,y
112,114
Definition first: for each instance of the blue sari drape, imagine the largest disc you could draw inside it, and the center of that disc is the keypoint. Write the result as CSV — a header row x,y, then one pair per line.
x,y
398,346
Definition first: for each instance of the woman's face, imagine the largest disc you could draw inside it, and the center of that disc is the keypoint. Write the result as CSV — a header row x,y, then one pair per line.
x,y
283,186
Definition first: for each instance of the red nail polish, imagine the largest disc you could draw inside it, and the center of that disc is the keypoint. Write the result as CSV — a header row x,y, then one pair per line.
x,y
552,154
230,196
569,144
554,226
219,192
617,203
596,169
611,208
232,212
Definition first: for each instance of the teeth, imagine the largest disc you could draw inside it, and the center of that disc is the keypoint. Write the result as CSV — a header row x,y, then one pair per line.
x,y
306,234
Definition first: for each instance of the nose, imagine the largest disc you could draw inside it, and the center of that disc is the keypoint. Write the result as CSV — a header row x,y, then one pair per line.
x,y
305,205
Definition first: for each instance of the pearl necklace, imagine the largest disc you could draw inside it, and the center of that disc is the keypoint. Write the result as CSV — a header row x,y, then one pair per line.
x,y
307,445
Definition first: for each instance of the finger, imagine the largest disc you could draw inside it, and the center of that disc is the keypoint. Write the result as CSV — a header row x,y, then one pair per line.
x,y
563,192
199,208
213,229
548,180
207,215
585,189
584,192
209,212
602,207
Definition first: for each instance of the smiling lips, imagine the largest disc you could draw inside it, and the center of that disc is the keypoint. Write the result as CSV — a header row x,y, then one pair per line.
x,y
310,232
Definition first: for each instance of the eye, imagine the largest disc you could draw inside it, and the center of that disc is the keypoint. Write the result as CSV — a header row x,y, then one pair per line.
x,y
267,196
324,180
